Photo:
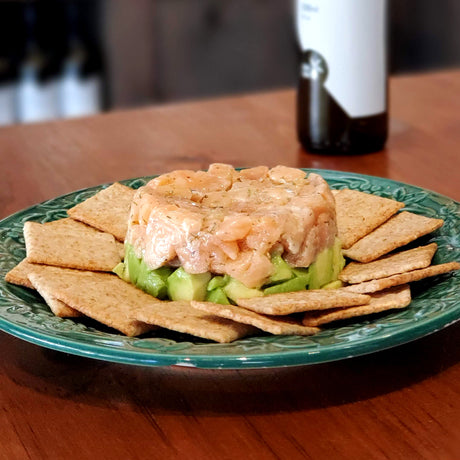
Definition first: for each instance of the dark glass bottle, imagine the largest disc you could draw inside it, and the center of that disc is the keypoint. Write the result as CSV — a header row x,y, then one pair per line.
x,y
342,93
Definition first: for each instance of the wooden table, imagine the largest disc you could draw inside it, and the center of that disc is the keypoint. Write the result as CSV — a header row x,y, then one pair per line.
x,y
402,403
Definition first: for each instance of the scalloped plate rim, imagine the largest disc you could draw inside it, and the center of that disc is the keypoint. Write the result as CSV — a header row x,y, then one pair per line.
x,y
285,357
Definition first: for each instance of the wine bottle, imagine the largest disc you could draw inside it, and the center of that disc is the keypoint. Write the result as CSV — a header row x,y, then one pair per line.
x,y
8,61
37,90
342,92
81,78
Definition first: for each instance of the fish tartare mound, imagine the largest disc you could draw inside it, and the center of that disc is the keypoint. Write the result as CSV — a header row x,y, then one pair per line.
x,y
225,221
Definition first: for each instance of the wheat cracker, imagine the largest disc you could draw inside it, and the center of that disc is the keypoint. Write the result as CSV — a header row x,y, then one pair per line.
x,y
359,213
404,261
107,210
299,301
76,247
368,287
277,325
396,232
393,298
101,296
180,316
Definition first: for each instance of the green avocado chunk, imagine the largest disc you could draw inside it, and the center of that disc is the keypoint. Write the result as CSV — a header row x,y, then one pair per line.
x,y
300,272
217,295
235,289
327,266
321,270
283,271
338,261
186,286
120,270
300,280
294,284
176,284
132,263
153,281
217,281
333,285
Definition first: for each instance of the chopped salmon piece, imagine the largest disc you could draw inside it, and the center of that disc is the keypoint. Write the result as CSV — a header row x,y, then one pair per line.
x,y
230,222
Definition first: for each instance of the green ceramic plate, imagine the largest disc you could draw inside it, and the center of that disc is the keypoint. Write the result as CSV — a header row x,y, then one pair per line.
x,y
436,302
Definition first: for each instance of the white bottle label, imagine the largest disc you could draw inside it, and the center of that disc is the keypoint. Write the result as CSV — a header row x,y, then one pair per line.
x,y
350,35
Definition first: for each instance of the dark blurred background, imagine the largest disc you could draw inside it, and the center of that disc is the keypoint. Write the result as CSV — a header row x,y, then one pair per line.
x,y
67,58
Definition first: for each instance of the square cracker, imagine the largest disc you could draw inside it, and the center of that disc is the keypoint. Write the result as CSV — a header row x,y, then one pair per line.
x,y
69,224
180,316
299,301
398,297
120,305
101,296
19,274
398,231
404,261
359,213
402,278
71,245
107,210
273,324
56,306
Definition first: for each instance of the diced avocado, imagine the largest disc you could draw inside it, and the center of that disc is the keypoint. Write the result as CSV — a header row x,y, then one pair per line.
x,y
283,271
294,284
217,282
217,295
302,273
327,266
136,271
235,289
120,270
333,285
338,261
321,269
164,272
152,281
133,264
186,286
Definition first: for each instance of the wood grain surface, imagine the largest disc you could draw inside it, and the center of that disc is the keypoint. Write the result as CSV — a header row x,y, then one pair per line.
x,y
402,403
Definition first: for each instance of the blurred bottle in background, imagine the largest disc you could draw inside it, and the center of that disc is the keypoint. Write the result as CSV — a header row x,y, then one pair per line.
x,y
8,62
38,73
342,93
51,65
80,87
